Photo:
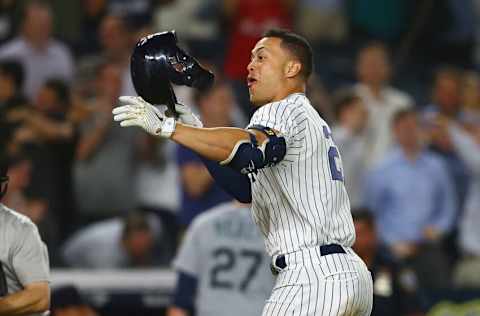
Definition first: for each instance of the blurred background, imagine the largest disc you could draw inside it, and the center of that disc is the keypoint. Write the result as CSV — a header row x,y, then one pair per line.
x,y
397,80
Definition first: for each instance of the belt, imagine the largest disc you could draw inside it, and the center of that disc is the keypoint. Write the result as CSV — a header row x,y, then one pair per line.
x,y
281,263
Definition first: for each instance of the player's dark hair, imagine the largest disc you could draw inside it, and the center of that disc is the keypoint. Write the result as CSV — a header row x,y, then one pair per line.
x,y
363,214
14,70
298,46
342,99
134,222
401,114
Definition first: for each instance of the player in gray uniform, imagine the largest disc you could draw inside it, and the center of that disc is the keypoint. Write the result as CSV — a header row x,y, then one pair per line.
x,y
287,161
222,266
24,274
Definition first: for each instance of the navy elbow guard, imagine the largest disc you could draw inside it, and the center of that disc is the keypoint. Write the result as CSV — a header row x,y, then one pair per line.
x,y
247,157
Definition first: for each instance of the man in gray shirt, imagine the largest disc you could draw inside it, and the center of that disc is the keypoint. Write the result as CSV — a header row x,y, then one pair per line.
x,y
24,266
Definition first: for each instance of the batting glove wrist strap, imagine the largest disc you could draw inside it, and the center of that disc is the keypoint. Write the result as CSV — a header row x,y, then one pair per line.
x,y
168,127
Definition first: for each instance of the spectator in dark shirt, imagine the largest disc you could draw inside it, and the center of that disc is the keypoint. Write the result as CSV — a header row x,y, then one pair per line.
x,y
11,97
92,14
199,191
51,143
394,286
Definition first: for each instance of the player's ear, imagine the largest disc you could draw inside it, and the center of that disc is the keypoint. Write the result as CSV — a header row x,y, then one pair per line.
x,y
292,68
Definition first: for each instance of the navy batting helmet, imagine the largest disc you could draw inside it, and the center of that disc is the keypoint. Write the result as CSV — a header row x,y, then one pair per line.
x,y
157,62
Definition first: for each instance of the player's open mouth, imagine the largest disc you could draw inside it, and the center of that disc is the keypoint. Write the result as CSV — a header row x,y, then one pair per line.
x,y
251,81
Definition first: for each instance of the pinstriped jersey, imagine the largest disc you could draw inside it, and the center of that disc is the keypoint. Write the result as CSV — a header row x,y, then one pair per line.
x,y
301,202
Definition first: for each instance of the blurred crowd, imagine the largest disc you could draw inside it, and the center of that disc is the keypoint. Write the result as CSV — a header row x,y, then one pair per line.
x,y
397,81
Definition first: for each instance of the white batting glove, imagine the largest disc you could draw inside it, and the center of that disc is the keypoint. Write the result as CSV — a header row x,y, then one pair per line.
x,y
186,115
134,111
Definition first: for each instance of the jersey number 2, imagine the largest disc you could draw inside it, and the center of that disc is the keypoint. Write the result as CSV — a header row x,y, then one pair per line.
x,y
332,158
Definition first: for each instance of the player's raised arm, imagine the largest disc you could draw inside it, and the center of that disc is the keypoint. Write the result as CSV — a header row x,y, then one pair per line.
x,y
212,143
243,150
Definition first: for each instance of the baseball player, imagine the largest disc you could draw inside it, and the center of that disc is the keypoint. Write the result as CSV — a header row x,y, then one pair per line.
x,y
24,266
295,180
222,266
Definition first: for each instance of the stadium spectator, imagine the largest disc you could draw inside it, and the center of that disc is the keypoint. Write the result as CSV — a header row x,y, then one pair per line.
x,y
349,135
105,153
412,184
7,22
117,243
320,98
138,13
447,102
41,56
92,14
223,234
67,301
382,101
116,41
471,98
199,191
51,136
447,94
394,286
11,97
247,20
467,145
11,81
202,33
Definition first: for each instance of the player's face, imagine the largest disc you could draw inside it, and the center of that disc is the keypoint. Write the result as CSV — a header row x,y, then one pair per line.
x,y
266,70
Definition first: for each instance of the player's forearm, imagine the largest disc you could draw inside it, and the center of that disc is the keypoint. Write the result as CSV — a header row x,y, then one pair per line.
x,y
212,143
28,301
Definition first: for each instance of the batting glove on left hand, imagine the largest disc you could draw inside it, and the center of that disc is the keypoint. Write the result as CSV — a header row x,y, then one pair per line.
x,y
134,111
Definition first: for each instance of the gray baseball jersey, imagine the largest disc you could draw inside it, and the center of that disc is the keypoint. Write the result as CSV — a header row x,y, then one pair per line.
x,y
224,250
23,255
301,202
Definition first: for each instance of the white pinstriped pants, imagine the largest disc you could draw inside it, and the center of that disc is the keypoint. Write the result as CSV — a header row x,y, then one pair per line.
x,y
314,285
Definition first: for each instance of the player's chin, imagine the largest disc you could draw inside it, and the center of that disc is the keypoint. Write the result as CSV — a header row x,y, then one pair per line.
x,y
254,100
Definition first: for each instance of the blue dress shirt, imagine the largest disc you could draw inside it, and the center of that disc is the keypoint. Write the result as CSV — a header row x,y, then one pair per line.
x,y
407,196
